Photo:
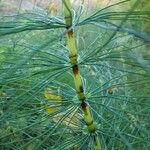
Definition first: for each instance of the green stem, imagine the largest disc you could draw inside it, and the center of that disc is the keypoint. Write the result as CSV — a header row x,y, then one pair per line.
x,y
77,77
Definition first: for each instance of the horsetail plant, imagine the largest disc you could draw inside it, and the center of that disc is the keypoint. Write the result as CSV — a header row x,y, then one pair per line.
x,y
74,79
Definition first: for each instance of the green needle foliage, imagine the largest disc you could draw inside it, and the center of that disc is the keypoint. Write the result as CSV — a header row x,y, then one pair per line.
x,y
39,106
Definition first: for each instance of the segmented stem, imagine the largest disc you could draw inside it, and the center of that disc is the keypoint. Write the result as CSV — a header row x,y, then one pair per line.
x,y
77,77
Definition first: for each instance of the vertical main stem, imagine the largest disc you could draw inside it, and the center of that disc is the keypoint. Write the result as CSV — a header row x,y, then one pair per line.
x,y
77,77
